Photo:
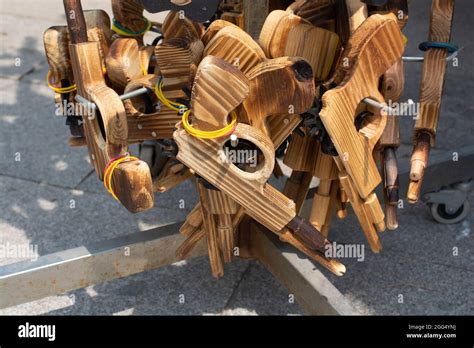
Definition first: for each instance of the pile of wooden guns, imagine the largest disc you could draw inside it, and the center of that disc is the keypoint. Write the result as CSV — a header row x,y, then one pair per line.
x,y
223,108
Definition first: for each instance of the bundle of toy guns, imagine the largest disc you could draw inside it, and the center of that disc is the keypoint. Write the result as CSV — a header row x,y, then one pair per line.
x,y
225,110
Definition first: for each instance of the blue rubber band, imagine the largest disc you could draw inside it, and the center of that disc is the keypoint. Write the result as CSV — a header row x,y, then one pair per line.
x,y
424,46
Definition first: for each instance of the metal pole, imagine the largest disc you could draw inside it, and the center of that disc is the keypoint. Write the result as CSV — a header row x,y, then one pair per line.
x,y
123,97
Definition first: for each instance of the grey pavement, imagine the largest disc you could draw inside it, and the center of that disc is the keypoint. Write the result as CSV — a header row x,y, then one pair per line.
x,y
52,199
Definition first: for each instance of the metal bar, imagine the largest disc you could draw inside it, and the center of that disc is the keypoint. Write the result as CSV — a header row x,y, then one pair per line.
x,y
413,59
122,97
312,290
384,107
87,265
409,59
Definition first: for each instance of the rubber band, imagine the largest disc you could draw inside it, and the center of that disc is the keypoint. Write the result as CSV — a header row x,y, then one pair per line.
x,y
219,133
405,40
59,90
170,104
424,46
123,31
110,168
144,71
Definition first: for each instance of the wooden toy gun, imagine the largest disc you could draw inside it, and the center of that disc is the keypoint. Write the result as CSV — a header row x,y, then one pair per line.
x,y
105,126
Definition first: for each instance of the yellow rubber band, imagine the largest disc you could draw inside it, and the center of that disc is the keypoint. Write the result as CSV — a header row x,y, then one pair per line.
x,y
124,32
144,71
187,112
109,172
219,133
59,90
171,104
405,39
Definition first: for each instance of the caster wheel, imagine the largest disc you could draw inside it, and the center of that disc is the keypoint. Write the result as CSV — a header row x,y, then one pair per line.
x,y
439,213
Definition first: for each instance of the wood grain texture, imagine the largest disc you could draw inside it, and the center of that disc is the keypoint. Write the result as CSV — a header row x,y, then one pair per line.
x,y
279,86
129,13
209,225
393,83
326,170
235,18
99,19
297,187
318,46
332,265
147,59
261,201
362,216
56,42
281,127
301,153
56,46
324,167
235,46
358,13
213,29
374,58
434,68
179,57
220,204
431,92
320,13
98,29
123,62
176,25
392,88
143,125
172,175
190,243
274,35
321,205
132,180
218,89
177,62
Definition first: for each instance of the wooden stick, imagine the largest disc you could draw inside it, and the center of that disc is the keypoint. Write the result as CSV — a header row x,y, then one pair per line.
x,y
392,88
321,204
419,158
209,226
432,84
190,243
75,21
326,199
172,175
364,219
297,187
